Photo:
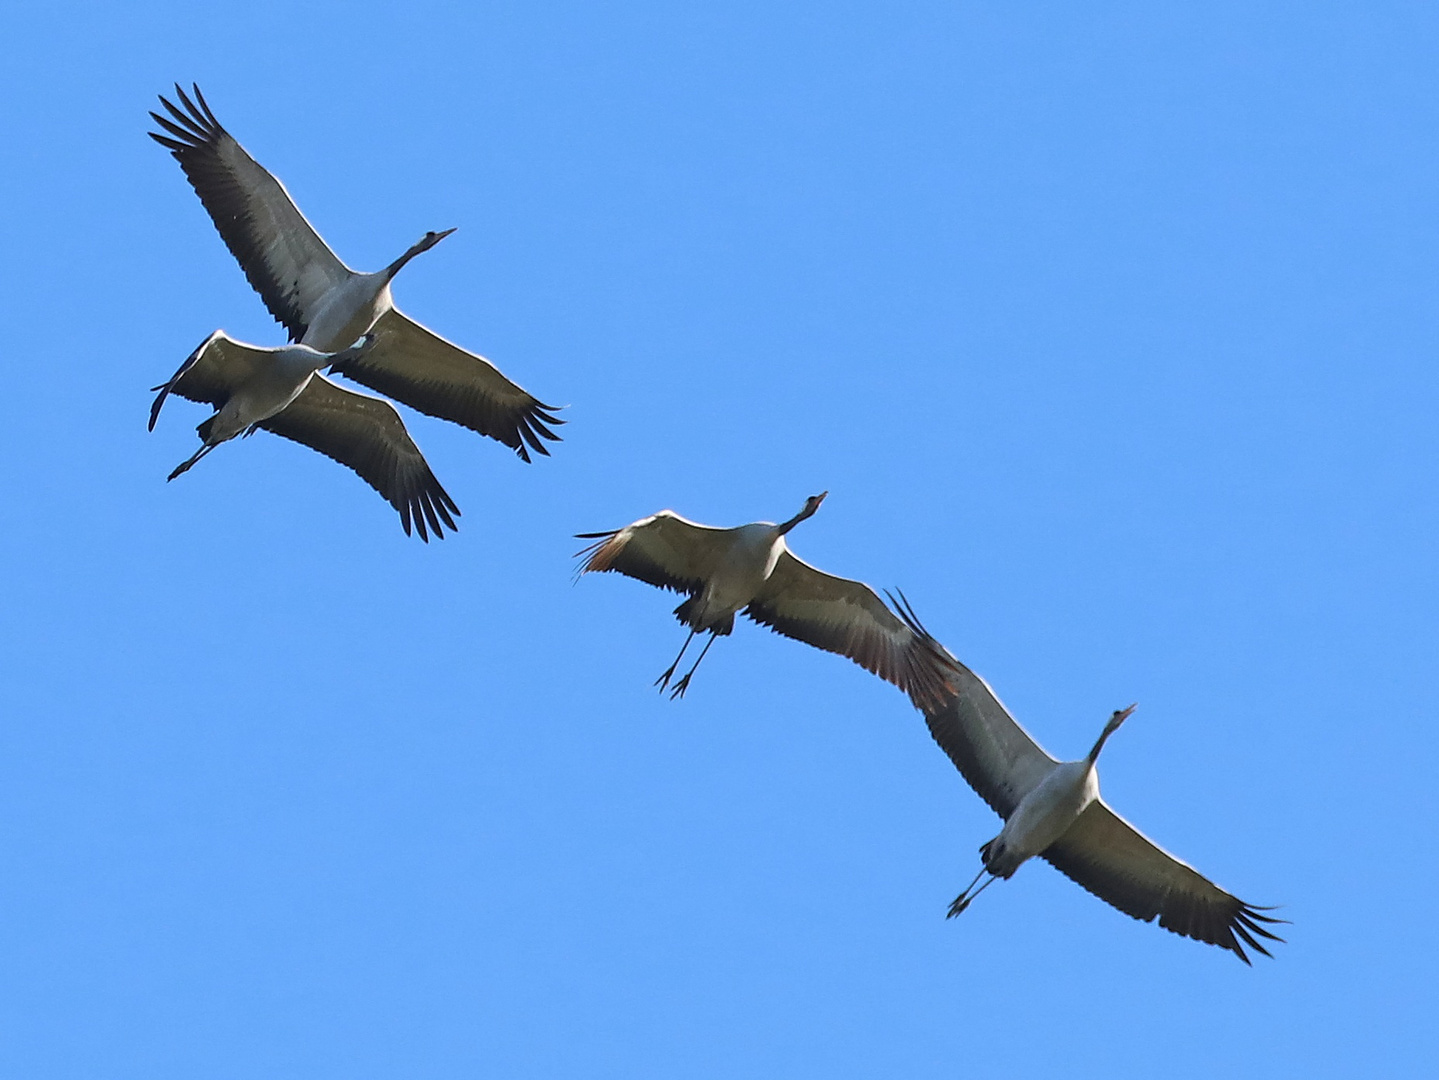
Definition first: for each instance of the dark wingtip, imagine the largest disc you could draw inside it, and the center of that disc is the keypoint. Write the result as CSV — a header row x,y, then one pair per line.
x,y
204,105
164,391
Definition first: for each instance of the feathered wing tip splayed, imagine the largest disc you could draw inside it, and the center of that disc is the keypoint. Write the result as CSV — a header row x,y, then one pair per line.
x,y
196,124
1246,923
594,561
423,500
595,557
935,686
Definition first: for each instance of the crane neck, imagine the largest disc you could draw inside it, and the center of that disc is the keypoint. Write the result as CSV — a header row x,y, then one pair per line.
x,y
1099,745
424,243
1110,728
807,511
399,264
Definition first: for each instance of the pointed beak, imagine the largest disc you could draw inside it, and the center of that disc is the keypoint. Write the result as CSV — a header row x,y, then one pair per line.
x,y
344,357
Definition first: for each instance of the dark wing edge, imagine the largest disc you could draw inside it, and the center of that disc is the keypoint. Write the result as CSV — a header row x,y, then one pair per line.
x,y
374,446
1108,857
206,394
448,382
196,139
865,631
936,659
997,758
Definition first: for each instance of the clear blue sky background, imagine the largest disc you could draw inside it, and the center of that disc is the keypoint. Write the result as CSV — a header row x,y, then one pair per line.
x,y
1111,329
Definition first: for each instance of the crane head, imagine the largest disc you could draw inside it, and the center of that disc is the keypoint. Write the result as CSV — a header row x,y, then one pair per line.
x,y
1120,715
430,239
810,506
1110,727
424,243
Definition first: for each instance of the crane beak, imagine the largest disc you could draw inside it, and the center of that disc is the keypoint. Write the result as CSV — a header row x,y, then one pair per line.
x,y
341,359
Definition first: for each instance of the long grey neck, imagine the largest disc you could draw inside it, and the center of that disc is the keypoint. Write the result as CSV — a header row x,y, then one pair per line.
x,y
399,264
792,522
1109,729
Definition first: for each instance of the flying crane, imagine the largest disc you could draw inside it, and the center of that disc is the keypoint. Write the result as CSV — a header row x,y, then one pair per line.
x,y
1053,809
750,569
282,391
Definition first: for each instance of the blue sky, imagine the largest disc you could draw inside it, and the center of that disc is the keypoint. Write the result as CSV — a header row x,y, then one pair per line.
x,y
1110,331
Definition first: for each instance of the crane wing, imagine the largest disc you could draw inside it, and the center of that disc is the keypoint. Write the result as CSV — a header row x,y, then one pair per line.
x,y
367,435
997,757
664,550
414,365
848,617
283,257
1112,859
211,373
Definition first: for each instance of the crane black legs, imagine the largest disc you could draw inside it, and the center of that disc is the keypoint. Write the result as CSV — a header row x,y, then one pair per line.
x,y
964,899
664,680
184,466
683,684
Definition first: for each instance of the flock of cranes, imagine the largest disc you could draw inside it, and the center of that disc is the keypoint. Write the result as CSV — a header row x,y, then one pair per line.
x,y
345,322
326,307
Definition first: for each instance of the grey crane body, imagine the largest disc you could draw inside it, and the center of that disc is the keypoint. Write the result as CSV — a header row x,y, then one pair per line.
x,y
268,392
353,305
1046,813
348,311
750,556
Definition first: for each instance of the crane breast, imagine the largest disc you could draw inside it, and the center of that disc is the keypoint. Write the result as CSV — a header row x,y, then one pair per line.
x,y
347,312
